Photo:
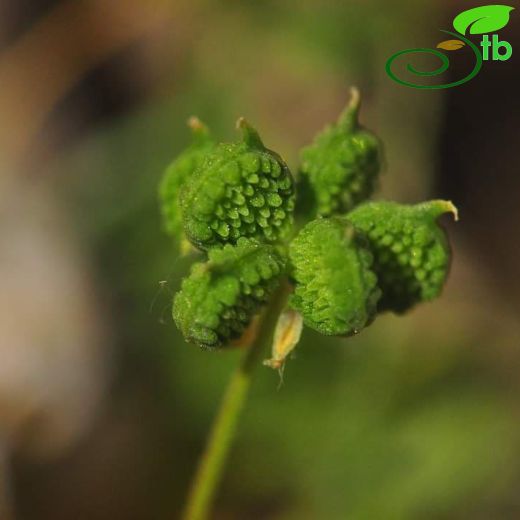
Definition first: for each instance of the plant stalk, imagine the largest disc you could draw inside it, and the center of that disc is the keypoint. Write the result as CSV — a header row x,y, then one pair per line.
x,y
223,430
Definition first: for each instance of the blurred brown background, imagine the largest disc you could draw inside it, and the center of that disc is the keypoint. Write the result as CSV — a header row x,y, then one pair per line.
x,y
104,408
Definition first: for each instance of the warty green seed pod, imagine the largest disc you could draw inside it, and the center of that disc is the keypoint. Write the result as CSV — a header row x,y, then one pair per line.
x,y
178,172
411,251
220,297
241,190
340,168
335,288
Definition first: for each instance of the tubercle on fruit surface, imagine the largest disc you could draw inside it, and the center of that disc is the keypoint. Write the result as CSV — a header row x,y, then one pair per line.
x,y
240,190
411,250
221,296
339,168
335,288
178,173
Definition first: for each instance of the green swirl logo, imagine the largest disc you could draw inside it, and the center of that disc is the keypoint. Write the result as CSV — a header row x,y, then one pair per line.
x,y
480,20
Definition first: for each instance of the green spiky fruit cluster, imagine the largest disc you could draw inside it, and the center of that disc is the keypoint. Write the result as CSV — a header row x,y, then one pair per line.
x,y
349,261
178,172
340,168
335,288
241,190
219,298
411,251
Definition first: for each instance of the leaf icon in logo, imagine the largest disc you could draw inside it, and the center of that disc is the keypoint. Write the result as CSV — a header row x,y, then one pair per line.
x,y
450,45
484,19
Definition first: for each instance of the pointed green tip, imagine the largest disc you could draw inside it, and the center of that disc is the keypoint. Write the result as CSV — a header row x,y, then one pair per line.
x,y
355,98
198,128
249,134
436,208
349,117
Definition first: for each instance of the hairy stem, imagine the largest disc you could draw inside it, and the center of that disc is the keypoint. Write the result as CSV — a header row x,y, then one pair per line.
x,y
212,462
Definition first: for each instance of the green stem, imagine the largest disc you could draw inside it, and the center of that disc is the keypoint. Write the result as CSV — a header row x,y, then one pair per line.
x,y
212,462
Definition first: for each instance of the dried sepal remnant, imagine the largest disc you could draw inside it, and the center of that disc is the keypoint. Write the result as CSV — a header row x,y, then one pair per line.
x,y
411,251
220,297
335,288
178,172
241,190
287,334
340,168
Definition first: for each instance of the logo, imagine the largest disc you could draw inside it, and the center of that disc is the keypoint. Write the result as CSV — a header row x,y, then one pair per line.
x,y
480,20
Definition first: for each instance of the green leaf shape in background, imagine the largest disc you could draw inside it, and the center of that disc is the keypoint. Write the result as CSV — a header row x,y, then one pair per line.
x,y
484,19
